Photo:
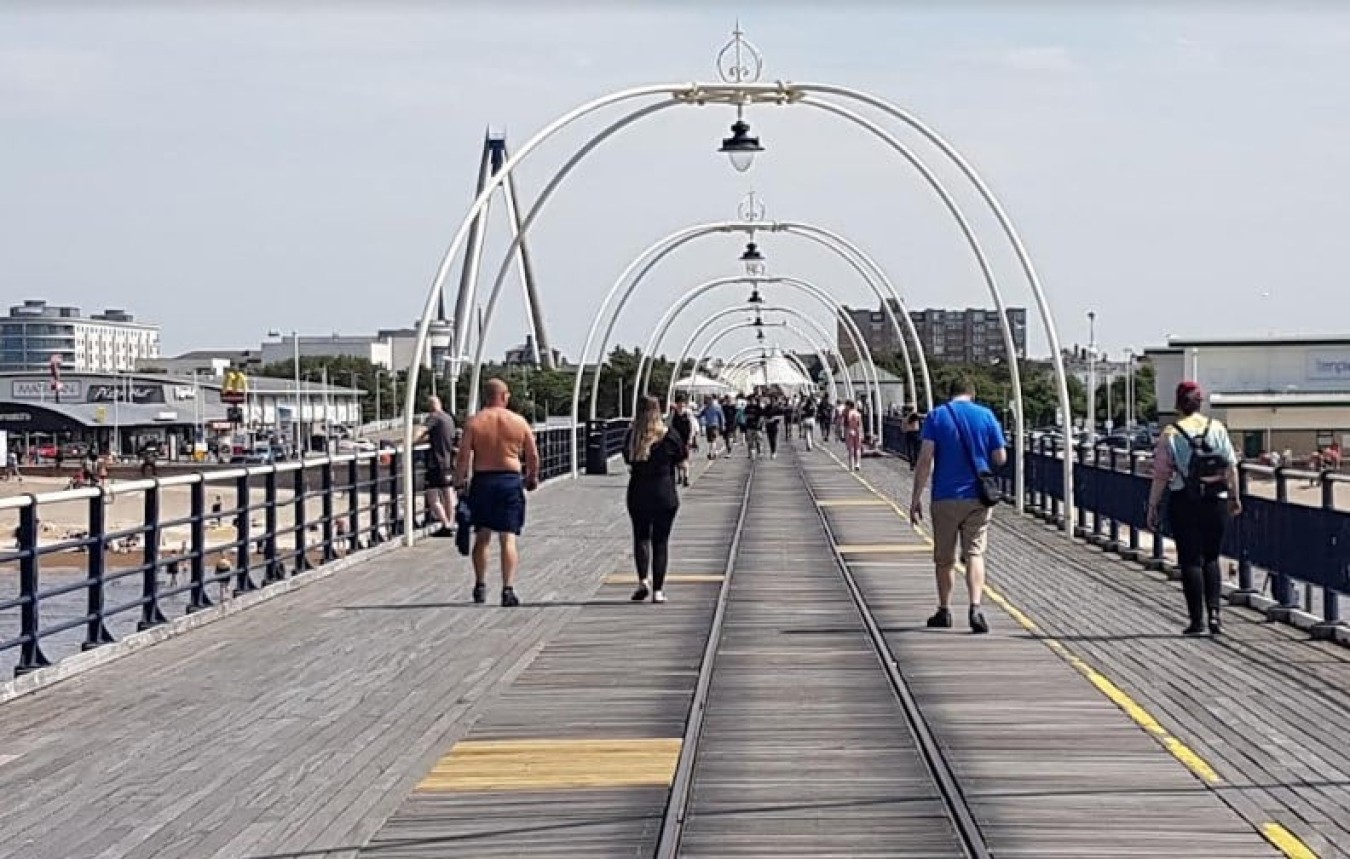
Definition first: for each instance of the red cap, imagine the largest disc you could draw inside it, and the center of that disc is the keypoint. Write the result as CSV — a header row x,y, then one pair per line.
x,y
1189,388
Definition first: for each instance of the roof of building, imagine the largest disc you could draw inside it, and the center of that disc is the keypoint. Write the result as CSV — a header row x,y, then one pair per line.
x,y
256,384
1269,340
213,354
1281,398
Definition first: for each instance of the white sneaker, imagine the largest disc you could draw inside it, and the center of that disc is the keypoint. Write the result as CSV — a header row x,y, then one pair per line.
x,y
658,596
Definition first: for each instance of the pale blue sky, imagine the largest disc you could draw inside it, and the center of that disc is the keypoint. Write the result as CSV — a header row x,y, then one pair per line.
x,y
222,169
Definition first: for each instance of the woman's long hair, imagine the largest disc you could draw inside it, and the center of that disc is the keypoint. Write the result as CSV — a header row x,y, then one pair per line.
x,y
647,431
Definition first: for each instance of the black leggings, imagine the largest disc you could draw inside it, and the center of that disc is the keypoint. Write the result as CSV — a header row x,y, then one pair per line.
x,y
1197,529
651,540
772,432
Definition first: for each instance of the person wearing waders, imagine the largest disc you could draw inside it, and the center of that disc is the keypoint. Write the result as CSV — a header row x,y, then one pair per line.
x,y
1195,468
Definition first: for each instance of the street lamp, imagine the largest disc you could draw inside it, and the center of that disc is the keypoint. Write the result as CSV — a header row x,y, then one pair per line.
x,y
295,359
1092,373
753,260
737,63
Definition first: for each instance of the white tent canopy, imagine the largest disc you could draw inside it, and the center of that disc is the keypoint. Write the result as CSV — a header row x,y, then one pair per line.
x,y
700,384
773,371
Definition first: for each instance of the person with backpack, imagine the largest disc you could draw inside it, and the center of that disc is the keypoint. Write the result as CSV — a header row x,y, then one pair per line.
x,y
1195,465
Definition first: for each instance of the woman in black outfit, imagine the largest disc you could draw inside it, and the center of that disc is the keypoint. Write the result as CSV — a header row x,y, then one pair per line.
x,y
653,454
773,422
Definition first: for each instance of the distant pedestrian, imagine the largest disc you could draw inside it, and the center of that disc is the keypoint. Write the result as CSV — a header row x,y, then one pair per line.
x,y
1195,465
713,422
12,467
499,451
809,423
438,432
851,424
654,455
683,425
962,441
913,437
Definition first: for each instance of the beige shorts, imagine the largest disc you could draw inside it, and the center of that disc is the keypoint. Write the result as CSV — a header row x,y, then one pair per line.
x,y
965,520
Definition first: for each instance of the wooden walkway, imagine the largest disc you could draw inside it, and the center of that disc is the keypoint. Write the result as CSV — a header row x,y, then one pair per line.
x,y
1263,709
379,714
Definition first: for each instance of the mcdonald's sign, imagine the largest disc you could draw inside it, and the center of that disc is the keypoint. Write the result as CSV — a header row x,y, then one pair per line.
x,y
235,388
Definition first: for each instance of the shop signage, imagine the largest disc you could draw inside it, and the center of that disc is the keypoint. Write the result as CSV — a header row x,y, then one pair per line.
x,y
41,389
126,392
1329,366
15,417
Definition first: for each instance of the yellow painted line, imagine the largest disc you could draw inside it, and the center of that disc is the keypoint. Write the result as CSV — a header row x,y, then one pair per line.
x,y
881,548
850,502
1141,716
1287,842
553,765
631,578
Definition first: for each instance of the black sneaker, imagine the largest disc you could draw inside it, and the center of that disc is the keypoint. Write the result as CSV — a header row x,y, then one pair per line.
x,y
942,619
1215,625
509,598
641,593
480,593
978,624
1194,629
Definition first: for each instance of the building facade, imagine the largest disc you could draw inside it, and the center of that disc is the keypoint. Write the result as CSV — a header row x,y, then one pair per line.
x,y
112,341
376,350
120,412
970,336
1288,393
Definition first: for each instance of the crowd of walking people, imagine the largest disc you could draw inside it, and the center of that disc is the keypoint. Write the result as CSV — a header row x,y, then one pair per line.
x,y
483,477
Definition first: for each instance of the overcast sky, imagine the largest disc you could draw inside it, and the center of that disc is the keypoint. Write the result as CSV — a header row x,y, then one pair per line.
x,y
232,168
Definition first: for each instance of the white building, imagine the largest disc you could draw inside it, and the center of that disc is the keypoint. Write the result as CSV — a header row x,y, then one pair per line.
x,y
377,350
1273,393
111,341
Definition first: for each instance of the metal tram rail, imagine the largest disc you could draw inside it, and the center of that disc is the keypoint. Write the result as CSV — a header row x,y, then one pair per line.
x,y
946,787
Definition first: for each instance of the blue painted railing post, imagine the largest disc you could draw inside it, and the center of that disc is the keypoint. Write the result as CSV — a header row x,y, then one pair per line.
x,y
96,631
373,478
1282,590
243,559
276,571
150,612
1331,600
198,598
397,523
31,657
1245,585
1084,493
327,520
1134,527
353,505
299,495
1095,471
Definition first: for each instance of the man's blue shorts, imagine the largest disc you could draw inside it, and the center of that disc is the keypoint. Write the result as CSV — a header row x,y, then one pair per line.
x,y
497,501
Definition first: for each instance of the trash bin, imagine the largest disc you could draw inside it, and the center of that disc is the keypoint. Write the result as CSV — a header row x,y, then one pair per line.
x,y
596,460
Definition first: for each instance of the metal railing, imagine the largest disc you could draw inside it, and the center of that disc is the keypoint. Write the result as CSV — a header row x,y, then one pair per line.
x,y
92,564
1303,549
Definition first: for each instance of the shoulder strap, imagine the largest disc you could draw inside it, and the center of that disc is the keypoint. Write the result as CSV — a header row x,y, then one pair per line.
x,y
965,442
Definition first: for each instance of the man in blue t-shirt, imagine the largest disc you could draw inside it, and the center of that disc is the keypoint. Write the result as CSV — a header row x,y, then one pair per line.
x,y
958,513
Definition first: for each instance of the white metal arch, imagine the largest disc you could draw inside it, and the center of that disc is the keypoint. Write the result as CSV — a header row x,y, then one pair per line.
x,y
855,337
744,358
819,346
741,94
799,284
736,360
722,314
872,273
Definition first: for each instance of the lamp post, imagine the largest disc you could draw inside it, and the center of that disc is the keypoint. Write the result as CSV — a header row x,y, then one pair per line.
x,y
1092,373
295,361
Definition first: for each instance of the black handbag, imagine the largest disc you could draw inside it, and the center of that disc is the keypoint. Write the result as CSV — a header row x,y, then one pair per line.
x,y
991,492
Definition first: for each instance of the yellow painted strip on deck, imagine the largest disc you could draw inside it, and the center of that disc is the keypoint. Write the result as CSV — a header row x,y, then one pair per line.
x,y
631,578
1141,716
553,764
881,548
1287,842
851,502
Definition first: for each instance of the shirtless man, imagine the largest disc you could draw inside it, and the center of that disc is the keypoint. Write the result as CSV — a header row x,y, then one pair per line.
x,y
495,442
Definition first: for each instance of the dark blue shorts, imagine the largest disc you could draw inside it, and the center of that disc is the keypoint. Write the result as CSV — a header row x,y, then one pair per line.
x,y
497,501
